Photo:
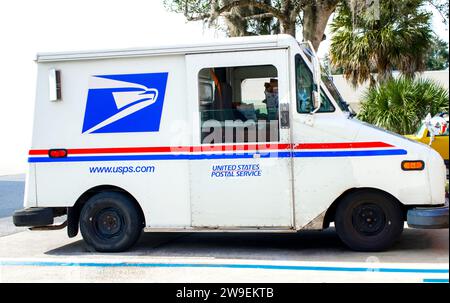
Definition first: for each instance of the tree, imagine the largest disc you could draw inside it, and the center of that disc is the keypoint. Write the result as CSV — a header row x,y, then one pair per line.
x,y
398,39
442,7
239,21
247,17
437,56
399,104
330,68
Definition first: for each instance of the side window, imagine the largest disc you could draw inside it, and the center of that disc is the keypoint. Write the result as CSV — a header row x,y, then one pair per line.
x,y
238,104
304,83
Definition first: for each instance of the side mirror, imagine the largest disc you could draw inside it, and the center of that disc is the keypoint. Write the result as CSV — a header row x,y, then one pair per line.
x,y
317,102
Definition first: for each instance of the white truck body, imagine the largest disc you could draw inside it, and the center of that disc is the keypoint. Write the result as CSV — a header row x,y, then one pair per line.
x,y
129,119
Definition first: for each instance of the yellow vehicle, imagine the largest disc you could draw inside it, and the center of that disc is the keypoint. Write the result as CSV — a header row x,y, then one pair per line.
x,y
440,139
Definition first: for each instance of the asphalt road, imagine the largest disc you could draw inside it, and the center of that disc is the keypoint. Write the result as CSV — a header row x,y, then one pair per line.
x,y
49,256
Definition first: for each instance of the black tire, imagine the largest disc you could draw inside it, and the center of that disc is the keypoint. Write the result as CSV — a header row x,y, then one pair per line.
x,y
110,222
369,221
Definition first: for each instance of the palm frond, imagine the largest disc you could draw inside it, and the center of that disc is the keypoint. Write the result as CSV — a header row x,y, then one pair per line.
x,y
400,104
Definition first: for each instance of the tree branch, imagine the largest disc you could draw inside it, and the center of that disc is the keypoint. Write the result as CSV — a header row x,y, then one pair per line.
x,y
438,8
198,17
254,3
259,16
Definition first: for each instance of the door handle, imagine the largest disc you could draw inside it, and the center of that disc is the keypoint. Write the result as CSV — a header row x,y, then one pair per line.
x,y
284,115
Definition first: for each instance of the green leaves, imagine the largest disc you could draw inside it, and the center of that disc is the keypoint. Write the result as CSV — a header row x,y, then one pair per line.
x,y
399,40
400,104
437,56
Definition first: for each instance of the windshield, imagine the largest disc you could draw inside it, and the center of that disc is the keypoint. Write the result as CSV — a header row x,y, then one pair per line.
x,y
327,80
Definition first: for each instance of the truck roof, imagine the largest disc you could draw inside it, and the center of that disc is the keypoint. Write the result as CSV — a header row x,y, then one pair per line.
x,y
226,44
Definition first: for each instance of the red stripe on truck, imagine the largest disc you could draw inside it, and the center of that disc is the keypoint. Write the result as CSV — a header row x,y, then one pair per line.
x,y
210,148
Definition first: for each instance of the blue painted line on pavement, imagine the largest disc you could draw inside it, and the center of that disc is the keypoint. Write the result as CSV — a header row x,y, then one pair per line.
x,y
435,280
240,266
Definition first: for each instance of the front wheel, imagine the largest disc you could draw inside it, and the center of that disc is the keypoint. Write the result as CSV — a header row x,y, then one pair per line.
x,y
369,221
110,222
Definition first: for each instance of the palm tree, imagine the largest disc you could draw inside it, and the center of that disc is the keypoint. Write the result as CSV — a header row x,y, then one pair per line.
x,y
399,104
398,39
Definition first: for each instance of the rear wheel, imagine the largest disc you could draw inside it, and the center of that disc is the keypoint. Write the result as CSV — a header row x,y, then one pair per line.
x,y
369,221
110,222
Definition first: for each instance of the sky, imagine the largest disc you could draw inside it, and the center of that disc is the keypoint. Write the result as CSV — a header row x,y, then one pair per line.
x,y
28,27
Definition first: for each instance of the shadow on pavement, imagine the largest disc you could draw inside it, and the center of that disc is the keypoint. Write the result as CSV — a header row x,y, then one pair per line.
x,y
302,246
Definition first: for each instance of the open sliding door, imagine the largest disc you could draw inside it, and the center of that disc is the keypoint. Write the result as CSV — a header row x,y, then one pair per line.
x,y
240,173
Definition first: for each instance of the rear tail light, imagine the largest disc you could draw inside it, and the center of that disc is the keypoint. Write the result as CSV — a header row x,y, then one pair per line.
x,y
57,153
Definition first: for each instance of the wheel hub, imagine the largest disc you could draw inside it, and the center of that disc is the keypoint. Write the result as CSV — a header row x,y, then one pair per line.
x,y
368,219
108,223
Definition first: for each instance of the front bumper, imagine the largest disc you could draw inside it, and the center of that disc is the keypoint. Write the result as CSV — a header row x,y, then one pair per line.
x,y
428,217
34,216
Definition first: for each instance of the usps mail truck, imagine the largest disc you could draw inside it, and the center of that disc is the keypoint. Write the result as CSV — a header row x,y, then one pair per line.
x,y
238,135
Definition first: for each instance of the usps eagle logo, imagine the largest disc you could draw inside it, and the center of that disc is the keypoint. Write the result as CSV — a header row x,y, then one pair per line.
x,y
125,103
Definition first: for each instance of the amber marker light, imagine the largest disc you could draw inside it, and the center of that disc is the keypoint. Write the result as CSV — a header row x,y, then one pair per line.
x,y
413,165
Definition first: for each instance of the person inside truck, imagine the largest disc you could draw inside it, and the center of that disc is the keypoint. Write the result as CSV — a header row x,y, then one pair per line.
x,y
304,92
271,101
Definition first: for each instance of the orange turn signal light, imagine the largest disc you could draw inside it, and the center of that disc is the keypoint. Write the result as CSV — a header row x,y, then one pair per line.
x,y
413,165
